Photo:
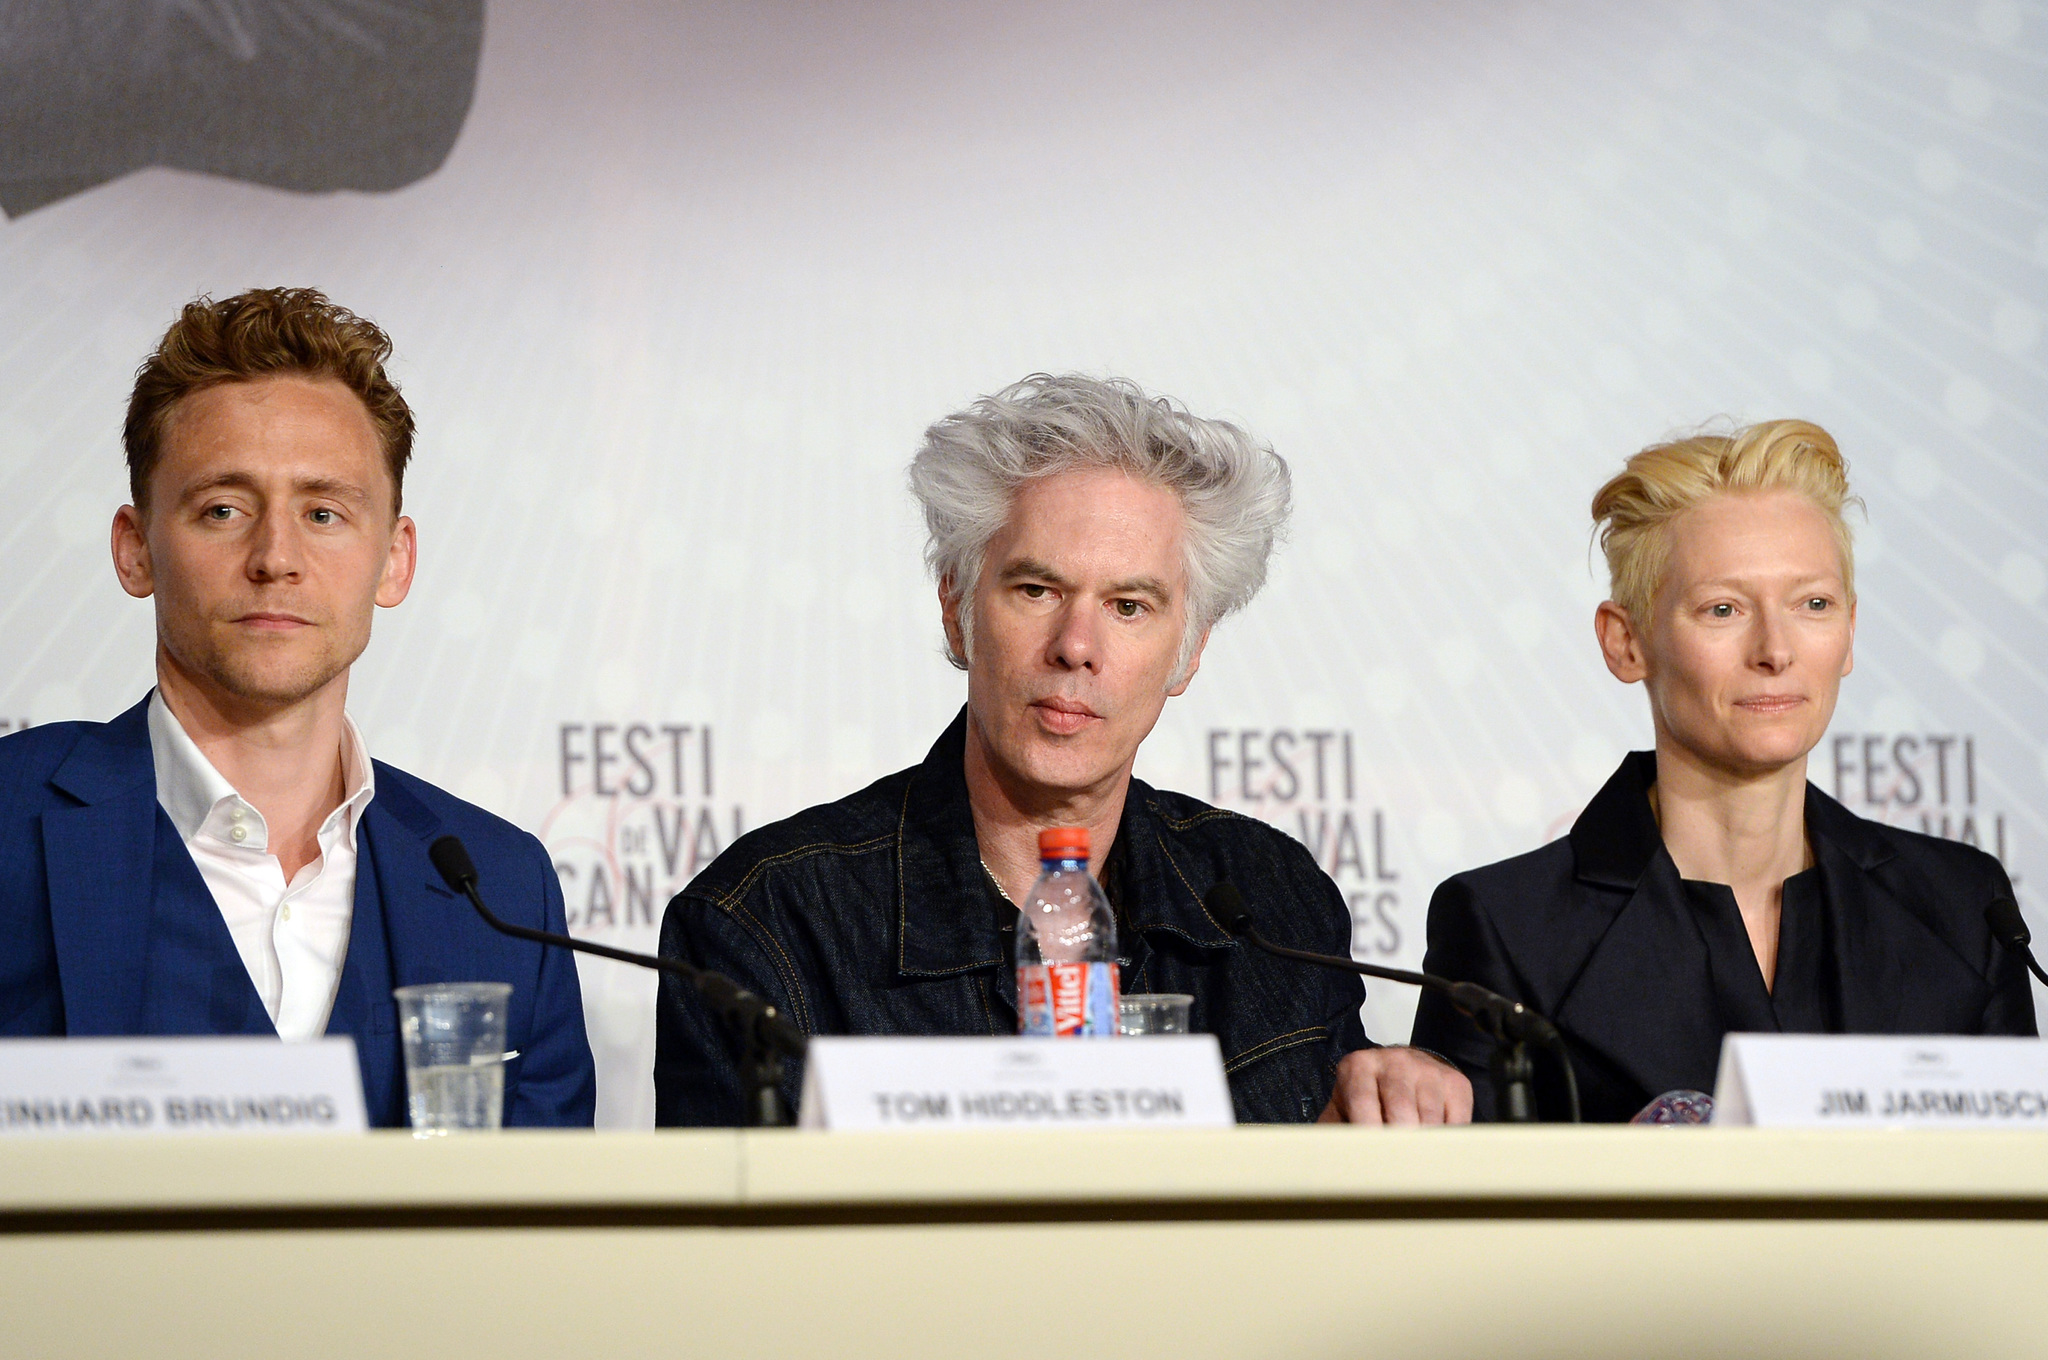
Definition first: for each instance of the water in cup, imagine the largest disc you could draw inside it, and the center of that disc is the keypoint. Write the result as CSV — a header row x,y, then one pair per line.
x,y
456,1096
453,1034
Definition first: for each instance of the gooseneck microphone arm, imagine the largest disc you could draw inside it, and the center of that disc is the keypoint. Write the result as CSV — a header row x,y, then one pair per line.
x,y
2003,916
1511,1024
766,1037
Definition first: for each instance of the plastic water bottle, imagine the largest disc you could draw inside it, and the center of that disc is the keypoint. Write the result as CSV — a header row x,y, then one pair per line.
x,y
1066,945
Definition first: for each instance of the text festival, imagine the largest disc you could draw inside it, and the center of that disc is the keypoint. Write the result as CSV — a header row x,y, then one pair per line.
x,y
1924,782
1310,773
636,819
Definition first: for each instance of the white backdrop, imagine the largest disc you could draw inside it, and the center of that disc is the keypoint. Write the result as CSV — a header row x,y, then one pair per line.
x,y
694,277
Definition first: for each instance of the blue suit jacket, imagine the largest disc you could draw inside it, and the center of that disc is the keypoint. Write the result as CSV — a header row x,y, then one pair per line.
x,y
106,926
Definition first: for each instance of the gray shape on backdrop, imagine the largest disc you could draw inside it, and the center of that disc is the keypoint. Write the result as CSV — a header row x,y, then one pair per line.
x,y
307,95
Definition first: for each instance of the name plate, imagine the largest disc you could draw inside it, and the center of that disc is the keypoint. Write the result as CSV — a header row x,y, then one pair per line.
x,y
1820,1081
195,1085
1166,1081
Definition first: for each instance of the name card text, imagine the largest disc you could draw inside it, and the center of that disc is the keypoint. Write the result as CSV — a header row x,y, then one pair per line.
x,y
1165,1081
180,1085
1876,1081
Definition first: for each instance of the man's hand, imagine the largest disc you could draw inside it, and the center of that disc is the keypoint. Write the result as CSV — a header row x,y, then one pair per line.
x,y
1398,1086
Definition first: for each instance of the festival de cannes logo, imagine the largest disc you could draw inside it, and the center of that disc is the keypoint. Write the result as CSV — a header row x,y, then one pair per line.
x,y
1305,782
1922,781
636,820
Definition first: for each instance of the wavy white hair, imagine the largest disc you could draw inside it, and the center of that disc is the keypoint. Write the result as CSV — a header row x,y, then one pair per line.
x,y
1235,490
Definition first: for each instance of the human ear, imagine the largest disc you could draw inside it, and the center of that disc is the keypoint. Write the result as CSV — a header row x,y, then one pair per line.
x,y
1180,686
131,554
399,564
1620,646
949,615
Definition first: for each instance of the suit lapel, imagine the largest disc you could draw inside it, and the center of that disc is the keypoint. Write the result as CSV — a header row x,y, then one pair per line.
x,y
194,979
1646,999
389,937
1895,966
363,1007
99,858
100,861
1865,969
423,920
1632,981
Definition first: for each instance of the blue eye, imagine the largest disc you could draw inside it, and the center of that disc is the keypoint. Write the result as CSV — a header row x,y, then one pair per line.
x,y
1817,603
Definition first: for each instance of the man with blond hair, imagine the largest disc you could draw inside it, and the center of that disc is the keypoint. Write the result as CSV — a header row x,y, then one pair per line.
x,y
225,857
1085,538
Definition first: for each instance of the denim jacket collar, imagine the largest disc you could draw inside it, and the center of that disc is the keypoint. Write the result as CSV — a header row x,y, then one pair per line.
x,y
949,917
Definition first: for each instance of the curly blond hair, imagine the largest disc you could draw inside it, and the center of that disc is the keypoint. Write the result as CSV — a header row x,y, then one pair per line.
x,y
1633,512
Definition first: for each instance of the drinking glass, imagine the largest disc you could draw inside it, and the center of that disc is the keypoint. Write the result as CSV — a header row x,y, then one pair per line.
x,y
454,1039
1145,1013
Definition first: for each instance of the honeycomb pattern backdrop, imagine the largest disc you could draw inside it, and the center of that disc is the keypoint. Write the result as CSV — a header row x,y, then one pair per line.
x,y
694,277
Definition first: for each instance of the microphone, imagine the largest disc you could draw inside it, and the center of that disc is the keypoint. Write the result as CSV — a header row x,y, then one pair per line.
x,y
1498,1015
2010,929
1509,1022
768,1038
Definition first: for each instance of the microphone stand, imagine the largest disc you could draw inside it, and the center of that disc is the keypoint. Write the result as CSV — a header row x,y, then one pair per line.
x,y
1512,1025
2010,929
765,1037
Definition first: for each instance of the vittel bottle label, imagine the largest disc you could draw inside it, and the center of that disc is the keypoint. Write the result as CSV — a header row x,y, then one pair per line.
x,y
1068,1000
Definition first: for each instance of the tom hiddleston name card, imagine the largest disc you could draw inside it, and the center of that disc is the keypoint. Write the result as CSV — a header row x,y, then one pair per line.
x,y
907,1084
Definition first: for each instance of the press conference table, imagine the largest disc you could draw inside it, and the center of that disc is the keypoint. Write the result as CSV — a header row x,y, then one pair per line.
x,y
1253,1242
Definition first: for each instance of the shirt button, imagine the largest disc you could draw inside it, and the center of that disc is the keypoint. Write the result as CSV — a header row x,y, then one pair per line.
x,y
286,911
235,814
238,834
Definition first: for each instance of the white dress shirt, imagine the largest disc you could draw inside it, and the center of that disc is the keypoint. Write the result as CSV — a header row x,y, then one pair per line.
x,y
293,937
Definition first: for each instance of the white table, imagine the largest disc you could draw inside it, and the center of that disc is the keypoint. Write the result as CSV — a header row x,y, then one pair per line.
x,y
1319,1241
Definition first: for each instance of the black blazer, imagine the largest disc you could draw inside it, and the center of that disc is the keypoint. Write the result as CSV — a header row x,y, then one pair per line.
x,y
1597,931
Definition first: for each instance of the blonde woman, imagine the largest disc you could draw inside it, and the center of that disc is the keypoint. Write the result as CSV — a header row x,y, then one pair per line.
x,y
1708,888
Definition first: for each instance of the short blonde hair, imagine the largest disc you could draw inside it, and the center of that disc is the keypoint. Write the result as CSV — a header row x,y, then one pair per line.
x,y
1633,512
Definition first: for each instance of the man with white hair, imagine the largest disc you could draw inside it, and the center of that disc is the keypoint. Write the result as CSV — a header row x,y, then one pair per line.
x,y
1086,538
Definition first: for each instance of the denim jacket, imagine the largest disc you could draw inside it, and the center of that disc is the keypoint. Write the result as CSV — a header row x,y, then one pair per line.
x,y
874,915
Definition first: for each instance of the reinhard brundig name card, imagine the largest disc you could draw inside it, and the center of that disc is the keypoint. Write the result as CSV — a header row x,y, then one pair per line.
x,y
1822,1081
180,1085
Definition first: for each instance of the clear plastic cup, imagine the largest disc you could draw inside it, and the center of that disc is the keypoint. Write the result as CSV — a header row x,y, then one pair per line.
x,y
1154,1013
454,1039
